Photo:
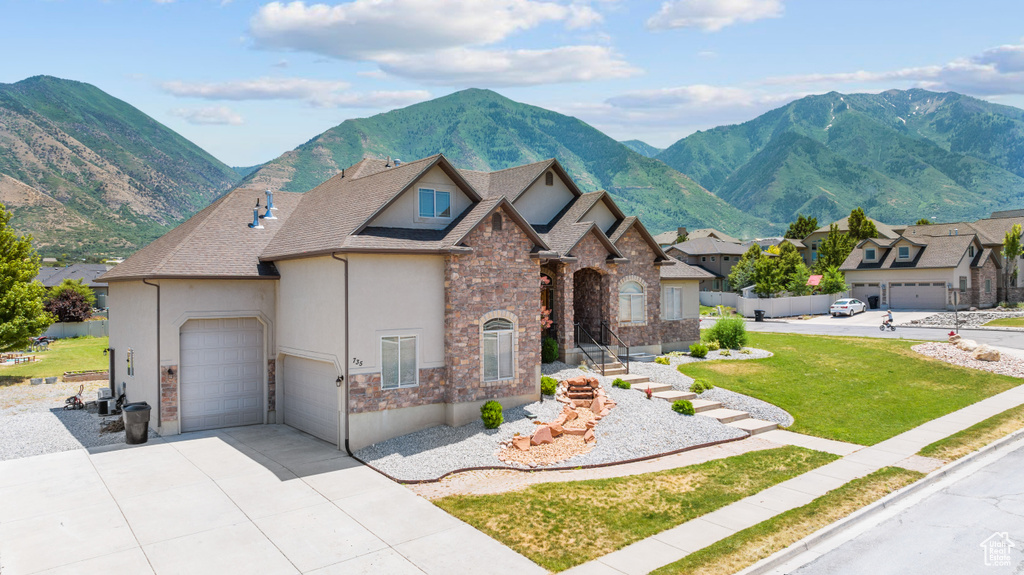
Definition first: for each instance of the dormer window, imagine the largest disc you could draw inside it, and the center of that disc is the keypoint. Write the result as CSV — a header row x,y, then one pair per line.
x,y
904,252
970,251
435,204
869,254
549,179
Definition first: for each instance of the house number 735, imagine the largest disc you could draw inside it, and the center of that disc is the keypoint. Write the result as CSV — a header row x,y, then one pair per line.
x,y
357,361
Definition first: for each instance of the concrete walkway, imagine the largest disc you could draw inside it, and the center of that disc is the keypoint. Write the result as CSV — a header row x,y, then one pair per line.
x,y
674,544
258,499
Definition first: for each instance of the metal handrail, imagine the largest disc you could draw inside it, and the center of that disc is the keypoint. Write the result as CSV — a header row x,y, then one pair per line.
x,y
620,345
580,343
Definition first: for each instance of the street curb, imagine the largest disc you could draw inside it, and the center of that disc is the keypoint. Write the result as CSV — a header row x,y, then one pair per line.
x,y
979,328
817,538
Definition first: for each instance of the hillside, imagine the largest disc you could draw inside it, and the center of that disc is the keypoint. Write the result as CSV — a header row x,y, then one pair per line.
x,y
641,147
105,178
481,130
902,155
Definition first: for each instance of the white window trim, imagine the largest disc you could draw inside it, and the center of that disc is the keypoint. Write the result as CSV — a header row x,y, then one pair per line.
x,y
500,314
672,294
870,254
899,252
511,331
435,218
643,295
380,347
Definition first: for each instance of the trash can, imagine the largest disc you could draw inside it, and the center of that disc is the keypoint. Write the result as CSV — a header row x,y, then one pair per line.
x,y
136,423
873,301
758,315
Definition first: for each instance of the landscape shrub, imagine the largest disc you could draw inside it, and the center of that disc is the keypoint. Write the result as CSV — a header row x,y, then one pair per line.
x,y
713,345
725,353
621,383
548,385
548,350
663,360
745,351
700,386
490,412
675,354
698,350
683,406
730,332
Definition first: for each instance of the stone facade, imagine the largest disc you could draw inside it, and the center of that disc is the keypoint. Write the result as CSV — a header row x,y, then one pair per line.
x,y
366,394
168,393
497,276
680,330
640,267
979,297
589,253
271,385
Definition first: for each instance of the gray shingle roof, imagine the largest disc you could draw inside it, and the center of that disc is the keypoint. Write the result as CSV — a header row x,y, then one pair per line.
x,y
702,246
938,252
686,271
709,232
52,276
884,230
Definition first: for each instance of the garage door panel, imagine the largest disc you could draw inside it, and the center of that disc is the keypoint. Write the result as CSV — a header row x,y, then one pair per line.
x,y
310,401
917,295
220,374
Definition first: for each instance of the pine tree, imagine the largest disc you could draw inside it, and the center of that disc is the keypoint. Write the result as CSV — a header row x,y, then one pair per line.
x,y
833,250
861,227
802,227
742,274
21,299
798,281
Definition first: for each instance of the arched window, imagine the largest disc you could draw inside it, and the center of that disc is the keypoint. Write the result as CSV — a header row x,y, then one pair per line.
x,y
498,350
496,222
549,179
631,302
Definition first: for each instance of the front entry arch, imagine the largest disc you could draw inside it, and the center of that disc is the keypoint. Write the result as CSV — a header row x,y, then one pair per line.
x,y
590,300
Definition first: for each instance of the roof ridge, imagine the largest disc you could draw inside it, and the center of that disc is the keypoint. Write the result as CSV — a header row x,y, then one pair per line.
x,y
549,160
219,203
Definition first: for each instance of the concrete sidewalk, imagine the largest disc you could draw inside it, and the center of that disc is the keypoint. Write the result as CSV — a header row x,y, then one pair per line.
x,y
674,544
258,499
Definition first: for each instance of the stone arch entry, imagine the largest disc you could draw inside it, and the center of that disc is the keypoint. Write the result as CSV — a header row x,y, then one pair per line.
x,y
590,304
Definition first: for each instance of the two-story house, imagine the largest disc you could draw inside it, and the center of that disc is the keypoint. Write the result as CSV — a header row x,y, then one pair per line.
x,y
716,257
814,239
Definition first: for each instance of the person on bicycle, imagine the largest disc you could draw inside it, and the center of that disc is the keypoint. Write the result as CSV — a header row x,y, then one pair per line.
x,y
887,318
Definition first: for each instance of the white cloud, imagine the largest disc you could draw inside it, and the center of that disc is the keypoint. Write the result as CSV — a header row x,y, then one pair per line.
x,y
712,15
317,93
219,115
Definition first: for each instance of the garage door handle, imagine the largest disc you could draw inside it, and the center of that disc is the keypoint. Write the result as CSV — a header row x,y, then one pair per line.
x,y
338,381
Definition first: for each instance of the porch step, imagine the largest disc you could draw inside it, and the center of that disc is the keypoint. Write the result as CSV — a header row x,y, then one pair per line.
x,y
654,387
635,379
754,426
674,395
726,415
702,405
607,366
642,357
615,371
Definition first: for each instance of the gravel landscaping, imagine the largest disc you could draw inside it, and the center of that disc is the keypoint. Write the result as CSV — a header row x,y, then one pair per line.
x,y
33,421
1007,365
965,318
636,428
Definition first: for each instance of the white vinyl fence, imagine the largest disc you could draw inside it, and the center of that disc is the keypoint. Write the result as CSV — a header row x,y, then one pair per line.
x,y
713,298
60,330
788,306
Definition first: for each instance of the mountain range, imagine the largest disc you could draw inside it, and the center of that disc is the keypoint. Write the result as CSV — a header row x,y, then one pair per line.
x,y
88,174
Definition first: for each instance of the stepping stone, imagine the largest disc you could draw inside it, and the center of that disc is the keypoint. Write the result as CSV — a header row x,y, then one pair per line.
x,y
652,386
701,405
726,415
614,371
673,395
635,379
754,426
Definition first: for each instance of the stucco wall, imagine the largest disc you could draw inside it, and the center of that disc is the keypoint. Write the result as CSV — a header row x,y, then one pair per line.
x,y
540,203
133,325
601,215
404,213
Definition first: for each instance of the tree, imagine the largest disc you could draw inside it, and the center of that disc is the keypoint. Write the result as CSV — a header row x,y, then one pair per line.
x,y
923,222
768,279
802,227
833,250
861,227
833,281
788,260
68,305
742,274
22,316
79,287
681,238
798,281
1012,250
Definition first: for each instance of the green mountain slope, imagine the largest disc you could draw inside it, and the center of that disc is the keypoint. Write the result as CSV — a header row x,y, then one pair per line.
x,y
641,147
900,154
109,165
481,130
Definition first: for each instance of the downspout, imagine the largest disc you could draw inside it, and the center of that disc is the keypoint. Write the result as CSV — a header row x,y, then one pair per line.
x,y
344,361
159,390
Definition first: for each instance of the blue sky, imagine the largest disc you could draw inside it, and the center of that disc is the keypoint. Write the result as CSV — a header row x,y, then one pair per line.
x,y
248,81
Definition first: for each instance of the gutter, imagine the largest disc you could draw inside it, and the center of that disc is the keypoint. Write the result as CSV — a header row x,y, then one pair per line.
x,y
344,362
159,391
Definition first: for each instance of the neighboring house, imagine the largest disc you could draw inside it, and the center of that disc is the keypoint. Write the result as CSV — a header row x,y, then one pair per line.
x,y
53,276
765,243
715,257
666,239
923,272
711,233
388,299
812,241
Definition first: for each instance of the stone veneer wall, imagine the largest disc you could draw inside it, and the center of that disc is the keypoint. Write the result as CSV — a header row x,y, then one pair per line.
x,y
978,276
365,393
641,258
168,393
271,385
589,253
497,276
680,330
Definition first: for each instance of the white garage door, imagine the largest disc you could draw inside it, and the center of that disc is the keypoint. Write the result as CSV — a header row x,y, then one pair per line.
x,y
915,295
310,397
863,290
221,373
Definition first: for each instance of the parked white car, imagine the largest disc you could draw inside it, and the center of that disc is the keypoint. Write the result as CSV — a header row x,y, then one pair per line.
x,y
847,307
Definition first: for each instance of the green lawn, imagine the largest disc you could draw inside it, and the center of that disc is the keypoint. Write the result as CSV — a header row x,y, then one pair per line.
x,y
1007,322
977,436
751,545
560,525
713,310
76,354
860,390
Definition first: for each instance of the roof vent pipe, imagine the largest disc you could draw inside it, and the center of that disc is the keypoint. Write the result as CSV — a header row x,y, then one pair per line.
x,y
398,162
956,232
256,225
387,163
270,200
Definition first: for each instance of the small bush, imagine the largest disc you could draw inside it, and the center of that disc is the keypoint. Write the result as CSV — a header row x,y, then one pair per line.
x,y
700,386
675,354
548,350
621,383
730,332
698,350
548,385
683,406
724,353
713,346
490,412
745,351
663,360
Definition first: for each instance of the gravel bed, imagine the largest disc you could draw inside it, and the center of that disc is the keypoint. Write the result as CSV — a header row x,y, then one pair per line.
x,y
33,421
1008,365
965,318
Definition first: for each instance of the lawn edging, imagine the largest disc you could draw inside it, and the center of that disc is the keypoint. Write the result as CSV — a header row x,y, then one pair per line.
x,y
822,535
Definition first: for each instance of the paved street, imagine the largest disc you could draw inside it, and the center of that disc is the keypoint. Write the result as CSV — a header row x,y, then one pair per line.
x,y
943,533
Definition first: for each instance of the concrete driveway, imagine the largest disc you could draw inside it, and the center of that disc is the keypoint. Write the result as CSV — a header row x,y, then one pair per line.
x,y
871,317
259,499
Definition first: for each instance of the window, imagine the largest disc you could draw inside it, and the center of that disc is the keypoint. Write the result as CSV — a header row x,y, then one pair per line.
x,y
703,258
435,204
904,252
963,283
725,258
712,258
672,303
814,256
398,361
814,246
498,362
631,302
869,254
988,286
714,285
549,179
970,251
496,222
